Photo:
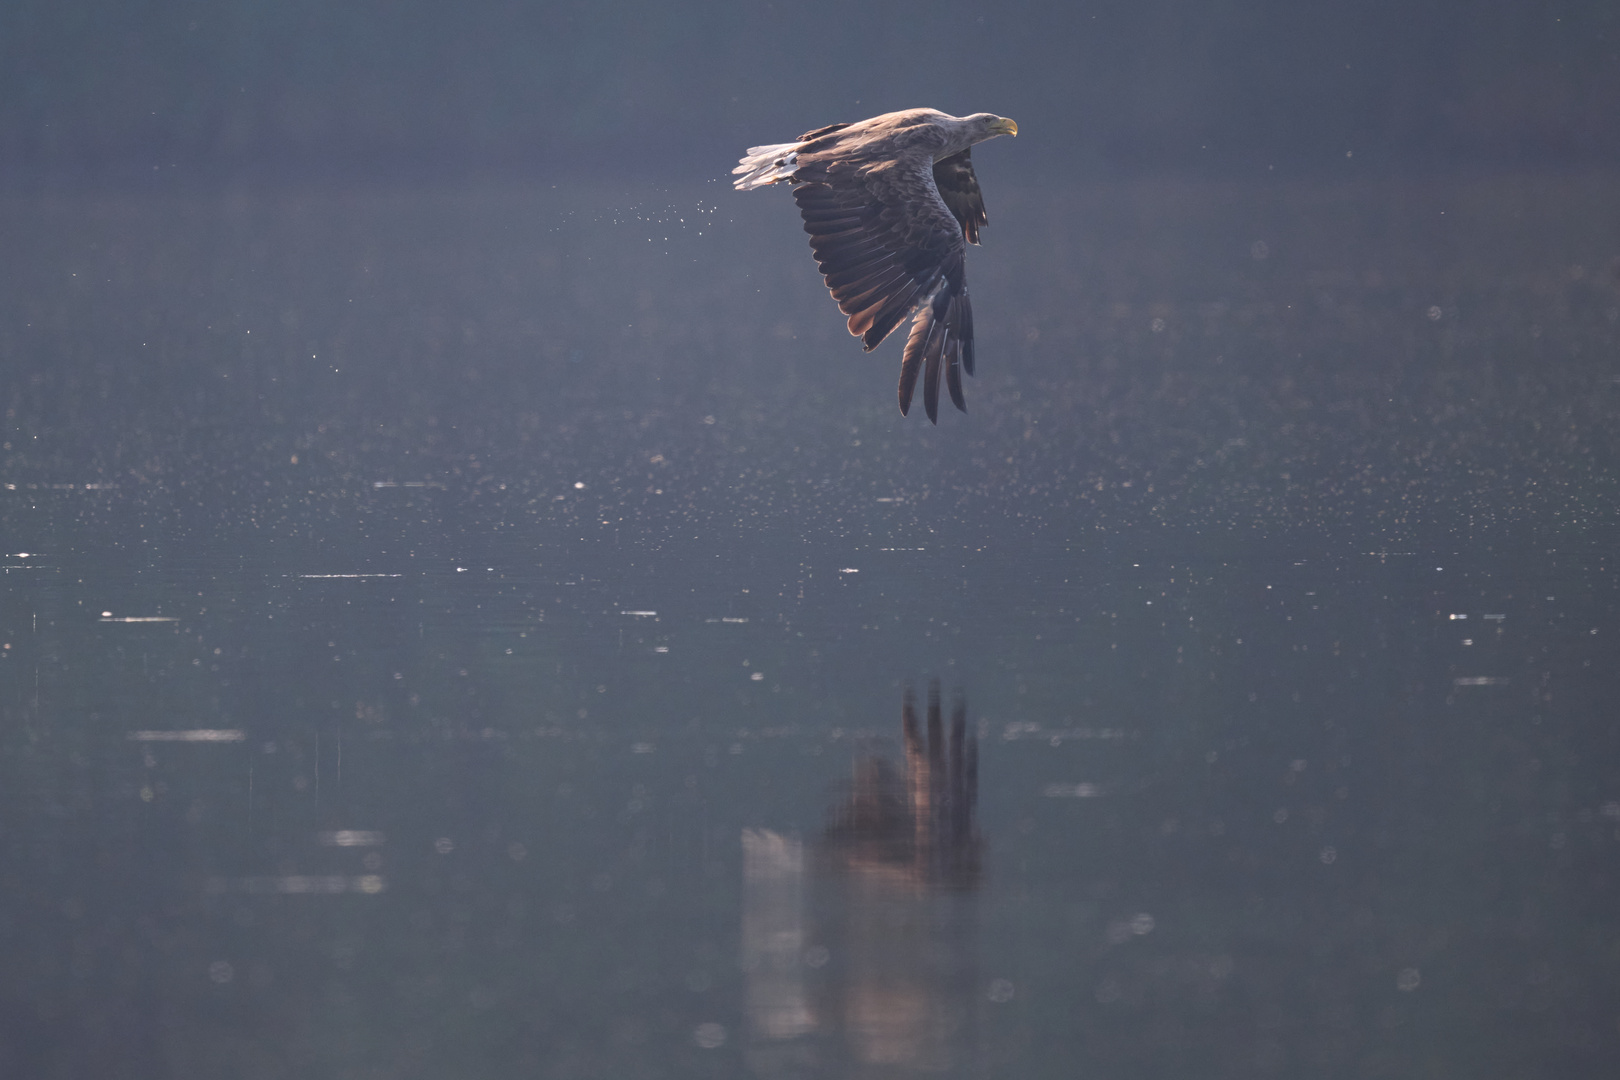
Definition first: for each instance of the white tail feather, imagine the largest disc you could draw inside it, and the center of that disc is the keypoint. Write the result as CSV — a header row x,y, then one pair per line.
x,y
767,165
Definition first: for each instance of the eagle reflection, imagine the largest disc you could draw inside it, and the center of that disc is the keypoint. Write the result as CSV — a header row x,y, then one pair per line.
x,y
860,953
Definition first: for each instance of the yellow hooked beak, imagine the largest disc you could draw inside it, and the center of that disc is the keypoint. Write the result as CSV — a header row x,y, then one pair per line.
x,y
1004,126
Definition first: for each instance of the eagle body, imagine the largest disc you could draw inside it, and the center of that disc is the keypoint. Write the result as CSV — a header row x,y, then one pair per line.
x,y
891,204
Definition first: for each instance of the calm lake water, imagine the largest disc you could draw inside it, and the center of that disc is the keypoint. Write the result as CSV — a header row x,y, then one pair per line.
x,y
510,631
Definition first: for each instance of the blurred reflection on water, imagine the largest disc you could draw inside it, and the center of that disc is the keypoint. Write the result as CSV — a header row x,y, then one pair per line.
x,y
889,975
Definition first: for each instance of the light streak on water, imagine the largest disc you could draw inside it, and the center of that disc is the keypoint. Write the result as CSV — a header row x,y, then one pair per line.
x,y
1072,791
192,735
322,576
351,838
305,884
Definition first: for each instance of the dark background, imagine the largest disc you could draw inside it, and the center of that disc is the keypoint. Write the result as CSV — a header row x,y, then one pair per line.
x,y
110,89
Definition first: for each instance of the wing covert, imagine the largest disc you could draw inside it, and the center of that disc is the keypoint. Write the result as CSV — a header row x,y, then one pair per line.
x,y
883,240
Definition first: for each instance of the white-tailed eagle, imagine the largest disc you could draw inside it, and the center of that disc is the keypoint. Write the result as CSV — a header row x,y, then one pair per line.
x,y
891,204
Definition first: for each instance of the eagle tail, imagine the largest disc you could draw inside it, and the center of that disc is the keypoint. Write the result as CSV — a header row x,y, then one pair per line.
x,y
767,165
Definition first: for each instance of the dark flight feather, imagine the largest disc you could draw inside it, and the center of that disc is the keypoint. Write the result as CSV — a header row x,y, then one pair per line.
x,y
953,350
931,361
911,363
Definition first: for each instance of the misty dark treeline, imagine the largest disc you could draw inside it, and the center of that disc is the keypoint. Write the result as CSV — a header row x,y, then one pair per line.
x,y
109,87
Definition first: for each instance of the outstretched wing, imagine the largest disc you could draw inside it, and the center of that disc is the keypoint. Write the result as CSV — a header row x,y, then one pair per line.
x,y
959,189
886,242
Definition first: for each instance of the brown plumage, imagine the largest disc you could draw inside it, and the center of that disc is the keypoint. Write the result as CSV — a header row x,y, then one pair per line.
x,y
891,204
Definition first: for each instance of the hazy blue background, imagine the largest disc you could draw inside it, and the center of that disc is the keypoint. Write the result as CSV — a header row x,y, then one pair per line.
x,y
649,89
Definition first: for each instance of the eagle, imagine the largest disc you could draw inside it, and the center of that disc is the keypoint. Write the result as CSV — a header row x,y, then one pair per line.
x,y
891,204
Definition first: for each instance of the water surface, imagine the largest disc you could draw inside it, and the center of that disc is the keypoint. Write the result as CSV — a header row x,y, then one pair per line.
x,y
469,632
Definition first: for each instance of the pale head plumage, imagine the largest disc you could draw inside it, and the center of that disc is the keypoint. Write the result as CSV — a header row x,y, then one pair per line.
x,y
969,130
